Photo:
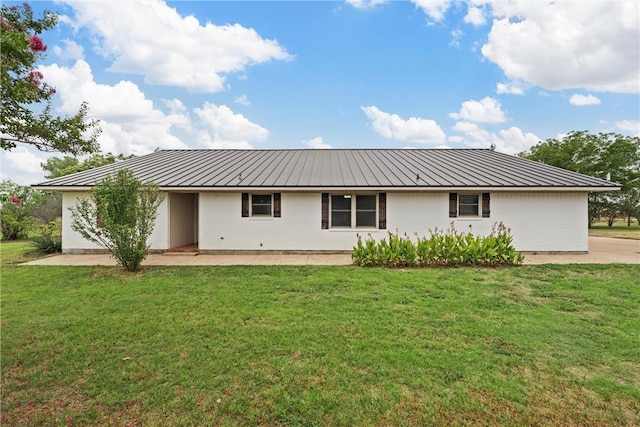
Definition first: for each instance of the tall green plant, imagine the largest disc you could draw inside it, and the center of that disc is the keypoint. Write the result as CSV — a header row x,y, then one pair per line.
x,y
442,248
119,216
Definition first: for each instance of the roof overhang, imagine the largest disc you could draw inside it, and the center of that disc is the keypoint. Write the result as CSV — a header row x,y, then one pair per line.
x,y
529,189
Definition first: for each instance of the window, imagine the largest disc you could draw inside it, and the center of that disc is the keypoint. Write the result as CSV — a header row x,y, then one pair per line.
x,y
365,211
261,205
349,210
341,211
468,204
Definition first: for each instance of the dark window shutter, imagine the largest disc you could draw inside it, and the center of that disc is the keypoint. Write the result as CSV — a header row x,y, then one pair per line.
x,y
277,210
325,211
245,204
453,205
382,211
486,205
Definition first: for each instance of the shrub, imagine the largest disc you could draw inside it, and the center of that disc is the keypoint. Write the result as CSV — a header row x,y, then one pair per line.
x,y
14,222
49,239
440,248
119,217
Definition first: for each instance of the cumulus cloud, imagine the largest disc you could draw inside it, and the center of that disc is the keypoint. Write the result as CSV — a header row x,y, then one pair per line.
x,y
230,130
22,165
413,129
317,143
365,4
509,88
580,100
487,110
566,44
475,16
242,100
511,141
169,49
130,122
70,50
434,9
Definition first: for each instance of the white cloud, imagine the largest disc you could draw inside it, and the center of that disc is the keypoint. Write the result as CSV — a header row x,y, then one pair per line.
x,y
365,4
509,141
130,122
456,35
475,16
566,44
434,9
487,110
230,130
631,126
22,164
413,129
580,100
70,50
510,88
169,49
242,100
317,143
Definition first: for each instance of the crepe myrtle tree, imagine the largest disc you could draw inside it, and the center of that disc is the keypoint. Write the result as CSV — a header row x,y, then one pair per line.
x,y
27,115
119,216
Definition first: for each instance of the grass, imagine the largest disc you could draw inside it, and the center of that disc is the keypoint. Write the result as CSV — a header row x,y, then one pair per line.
x,y
545,345
619,229
15,252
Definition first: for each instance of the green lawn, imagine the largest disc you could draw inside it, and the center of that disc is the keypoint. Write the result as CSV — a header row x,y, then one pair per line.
x,y
619,229
546,345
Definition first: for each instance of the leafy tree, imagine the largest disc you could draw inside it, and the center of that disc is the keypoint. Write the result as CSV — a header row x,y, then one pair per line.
x,y
23,90
119,216
604,155
23,208
57,167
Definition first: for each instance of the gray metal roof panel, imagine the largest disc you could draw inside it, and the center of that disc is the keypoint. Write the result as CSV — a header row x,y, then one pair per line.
x,y
366,168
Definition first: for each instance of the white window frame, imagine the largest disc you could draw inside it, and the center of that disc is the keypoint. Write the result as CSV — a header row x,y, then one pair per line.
x,y
354,225
251,214
478,213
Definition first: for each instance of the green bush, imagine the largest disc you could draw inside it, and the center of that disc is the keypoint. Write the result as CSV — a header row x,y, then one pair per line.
x,y
441,248
119,216
49,239
14,222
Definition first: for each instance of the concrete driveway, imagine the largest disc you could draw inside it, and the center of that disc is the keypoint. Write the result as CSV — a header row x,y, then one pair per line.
x,y
602,250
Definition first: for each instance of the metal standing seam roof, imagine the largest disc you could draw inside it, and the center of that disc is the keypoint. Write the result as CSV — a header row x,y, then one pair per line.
x,y
337,168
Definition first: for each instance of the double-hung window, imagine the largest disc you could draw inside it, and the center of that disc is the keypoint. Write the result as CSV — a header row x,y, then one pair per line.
x,y
470,205
353,210
261,205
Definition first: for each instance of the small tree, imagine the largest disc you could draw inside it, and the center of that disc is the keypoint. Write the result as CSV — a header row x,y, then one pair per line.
x,y
119,216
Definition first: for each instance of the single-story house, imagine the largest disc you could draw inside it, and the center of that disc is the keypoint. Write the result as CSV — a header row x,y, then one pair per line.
x,y
319,200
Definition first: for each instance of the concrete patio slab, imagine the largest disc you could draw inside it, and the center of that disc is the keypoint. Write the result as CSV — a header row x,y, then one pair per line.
x,y
602,250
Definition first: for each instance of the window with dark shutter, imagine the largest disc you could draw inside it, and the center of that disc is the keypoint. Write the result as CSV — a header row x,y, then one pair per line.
x,y
468,204
277,208
261,205
341,210
486,205
382,211
453,205
245,204
325,211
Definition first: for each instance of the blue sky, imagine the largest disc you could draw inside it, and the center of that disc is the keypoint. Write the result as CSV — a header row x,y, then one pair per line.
x,y
353,74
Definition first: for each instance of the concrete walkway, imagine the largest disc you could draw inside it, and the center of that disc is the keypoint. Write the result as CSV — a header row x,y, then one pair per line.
x,y
602,250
